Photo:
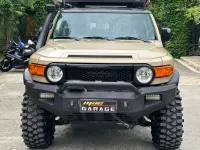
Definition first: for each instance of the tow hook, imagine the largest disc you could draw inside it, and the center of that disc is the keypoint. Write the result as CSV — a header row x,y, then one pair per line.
x,y
144,122
122,123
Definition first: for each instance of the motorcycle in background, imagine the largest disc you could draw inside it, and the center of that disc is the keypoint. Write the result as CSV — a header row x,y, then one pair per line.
x,y
17,56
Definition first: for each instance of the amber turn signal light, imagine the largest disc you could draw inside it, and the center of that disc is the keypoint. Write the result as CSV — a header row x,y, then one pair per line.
x,y
36,69
164,71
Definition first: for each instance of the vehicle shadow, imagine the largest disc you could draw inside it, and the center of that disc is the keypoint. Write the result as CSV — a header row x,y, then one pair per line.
x,y
13,71
98,139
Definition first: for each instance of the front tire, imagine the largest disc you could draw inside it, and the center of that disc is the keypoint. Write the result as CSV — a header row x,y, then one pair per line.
x,y
167,126
6,65
38,125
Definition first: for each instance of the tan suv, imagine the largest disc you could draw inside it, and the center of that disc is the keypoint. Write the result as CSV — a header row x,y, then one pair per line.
x,y
99,65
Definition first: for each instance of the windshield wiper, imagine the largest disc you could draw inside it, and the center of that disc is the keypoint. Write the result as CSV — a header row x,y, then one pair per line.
x,y
96,37
66,37
131,38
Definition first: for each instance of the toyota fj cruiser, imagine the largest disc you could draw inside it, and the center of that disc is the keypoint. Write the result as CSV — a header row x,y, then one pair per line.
x,y
101,63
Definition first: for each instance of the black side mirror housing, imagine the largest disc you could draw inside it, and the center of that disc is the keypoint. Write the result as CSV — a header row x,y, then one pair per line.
x,y
166,35
51,8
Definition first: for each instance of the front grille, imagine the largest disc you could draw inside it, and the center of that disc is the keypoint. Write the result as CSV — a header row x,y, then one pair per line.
x,y
97,117
104,74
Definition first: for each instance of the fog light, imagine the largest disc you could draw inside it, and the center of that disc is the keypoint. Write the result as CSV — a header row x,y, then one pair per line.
x,y
46,95
153,97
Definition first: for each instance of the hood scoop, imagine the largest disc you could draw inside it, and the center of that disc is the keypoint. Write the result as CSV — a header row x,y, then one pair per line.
x,y
99,56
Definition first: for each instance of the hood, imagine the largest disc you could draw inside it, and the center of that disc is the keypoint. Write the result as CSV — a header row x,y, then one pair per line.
x,y
71,48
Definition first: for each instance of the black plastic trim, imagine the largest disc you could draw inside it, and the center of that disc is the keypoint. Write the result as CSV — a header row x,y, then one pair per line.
x,y
175,78
27,76
104,66
109,66
98,56
134,67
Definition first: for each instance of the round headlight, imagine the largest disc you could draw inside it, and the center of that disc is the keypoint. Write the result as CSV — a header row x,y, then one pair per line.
x,y
54,74
144,75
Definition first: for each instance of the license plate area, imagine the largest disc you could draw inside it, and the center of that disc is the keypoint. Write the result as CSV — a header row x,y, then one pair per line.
x,y
98,106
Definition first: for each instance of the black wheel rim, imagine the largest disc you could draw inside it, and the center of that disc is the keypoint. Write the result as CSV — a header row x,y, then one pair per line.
x,y
6,64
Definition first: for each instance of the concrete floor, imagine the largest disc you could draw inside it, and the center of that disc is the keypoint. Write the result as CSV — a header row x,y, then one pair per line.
x,y
11,91
193,61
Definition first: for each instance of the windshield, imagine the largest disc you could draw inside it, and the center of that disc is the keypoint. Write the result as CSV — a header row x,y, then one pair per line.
x,y
104,26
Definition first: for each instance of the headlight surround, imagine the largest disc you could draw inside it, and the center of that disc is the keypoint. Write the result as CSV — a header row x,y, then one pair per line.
x,y
144,75
54,74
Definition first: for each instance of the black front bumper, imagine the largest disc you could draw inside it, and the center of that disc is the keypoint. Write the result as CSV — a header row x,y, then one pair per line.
x,y
65,103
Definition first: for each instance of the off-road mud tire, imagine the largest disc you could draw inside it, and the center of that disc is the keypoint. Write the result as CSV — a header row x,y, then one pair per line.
x,y
167,126
38,125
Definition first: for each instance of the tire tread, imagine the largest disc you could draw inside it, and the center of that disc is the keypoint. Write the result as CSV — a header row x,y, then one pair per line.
x,y
167,126
37,126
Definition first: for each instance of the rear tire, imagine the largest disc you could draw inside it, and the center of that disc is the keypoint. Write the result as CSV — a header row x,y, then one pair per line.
x,y
6,65
167,126
38,125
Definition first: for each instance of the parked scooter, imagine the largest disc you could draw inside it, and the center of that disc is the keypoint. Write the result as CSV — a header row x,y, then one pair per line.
x,y
17,56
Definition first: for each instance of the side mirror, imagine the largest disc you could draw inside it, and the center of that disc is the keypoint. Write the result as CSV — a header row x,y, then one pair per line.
x,y
51,8
166,35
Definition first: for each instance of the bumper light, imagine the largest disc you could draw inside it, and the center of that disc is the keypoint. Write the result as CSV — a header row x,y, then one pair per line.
x,y
46,95
153,97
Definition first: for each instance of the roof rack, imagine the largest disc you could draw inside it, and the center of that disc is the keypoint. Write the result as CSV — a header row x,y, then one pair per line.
x,y
83,3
